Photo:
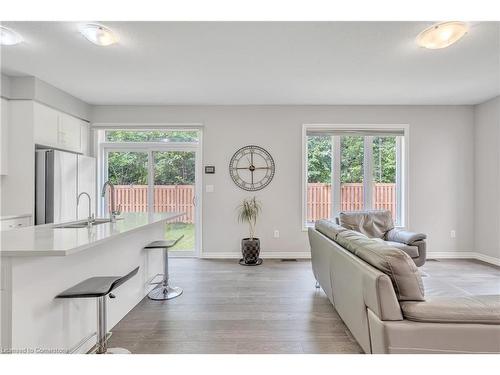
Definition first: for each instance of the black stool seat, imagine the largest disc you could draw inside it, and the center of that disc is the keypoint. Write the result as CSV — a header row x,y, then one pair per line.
x,y
96,286
163,244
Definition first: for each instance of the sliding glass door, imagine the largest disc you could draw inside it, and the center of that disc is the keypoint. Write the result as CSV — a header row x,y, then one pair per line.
x,y
154,177
174,190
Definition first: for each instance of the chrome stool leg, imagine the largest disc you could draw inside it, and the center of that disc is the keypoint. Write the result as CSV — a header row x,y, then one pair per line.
x,y
164,291
100,287
101,346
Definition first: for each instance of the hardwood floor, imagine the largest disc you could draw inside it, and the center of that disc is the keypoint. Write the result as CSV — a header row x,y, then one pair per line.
x,y
228,308
273,308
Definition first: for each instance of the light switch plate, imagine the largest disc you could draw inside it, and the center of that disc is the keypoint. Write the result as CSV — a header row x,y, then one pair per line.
x,y
209,188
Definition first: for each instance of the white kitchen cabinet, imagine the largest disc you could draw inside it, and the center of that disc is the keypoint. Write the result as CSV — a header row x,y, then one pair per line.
x,y
46,125
4,129
57,129
69,136
84,138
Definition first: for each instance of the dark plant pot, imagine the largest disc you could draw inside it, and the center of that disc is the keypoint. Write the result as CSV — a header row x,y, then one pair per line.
x,y
250,249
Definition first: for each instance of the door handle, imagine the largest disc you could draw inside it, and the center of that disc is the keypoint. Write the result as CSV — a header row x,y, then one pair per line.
x,y
194,200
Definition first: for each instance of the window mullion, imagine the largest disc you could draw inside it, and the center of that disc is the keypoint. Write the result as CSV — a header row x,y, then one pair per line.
x,y
368,173
150,181
399,183
335,178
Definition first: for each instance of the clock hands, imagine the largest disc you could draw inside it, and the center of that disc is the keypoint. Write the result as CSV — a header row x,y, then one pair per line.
x,y
249,168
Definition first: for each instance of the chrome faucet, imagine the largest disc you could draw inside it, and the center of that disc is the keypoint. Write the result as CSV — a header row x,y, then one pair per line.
x,y
90,218
113,212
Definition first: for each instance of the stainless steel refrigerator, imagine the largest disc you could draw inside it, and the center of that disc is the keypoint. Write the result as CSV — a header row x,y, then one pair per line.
x,y
60,177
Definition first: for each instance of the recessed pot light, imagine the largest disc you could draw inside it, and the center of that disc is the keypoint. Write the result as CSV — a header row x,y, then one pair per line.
x,y
9,37
98,34
442,35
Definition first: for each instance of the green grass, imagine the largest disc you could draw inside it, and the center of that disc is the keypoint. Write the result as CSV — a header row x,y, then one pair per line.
x,y
175,230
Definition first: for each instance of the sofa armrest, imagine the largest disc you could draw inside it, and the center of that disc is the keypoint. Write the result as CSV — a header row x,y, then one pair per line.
x,y
404,236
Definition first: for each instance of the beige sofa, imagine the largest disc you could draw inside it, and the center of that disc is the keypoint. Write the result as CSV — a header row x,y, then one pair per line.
x,y
378,224
378,293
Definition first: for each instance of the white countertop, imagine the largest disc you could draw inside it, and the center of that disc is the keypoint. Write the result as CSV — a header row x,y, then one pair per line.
x,y
45,240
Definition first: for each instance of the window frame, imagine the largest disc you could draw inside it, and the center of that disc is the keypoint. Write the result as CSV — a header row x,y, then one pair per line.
x,y
402,168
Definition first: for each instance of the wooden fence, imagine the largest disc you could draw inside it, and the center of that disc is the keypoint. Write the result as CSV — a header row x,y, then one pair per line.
x,y
172,198
351,199
179,198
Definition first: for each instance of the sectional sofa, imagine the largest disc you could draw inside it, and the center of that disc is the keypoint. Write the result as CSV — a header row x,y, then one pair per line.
x,y
378,292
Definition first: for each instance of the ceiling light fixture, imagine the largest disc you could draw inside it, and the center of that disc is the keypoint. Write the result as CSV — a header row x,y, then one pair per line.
x,y
98,34
442,35
9,37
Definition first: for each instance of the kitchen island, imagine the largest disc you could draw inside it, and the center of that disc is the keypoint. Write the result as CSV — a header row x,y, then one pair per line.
x,y
39,262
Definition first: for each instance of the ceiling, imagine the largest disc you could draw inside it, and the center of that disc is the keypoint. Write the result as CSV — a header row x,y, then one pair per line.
x,y
230,63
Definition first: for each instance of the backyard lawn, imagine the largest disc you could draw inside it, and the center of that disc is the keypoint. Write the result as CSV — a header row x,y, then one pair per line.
x,y
175,230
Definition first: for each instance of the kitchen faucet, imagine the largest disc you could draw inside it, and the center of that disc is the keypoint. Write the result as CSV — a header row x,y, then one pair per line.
x,y
113,212
90,218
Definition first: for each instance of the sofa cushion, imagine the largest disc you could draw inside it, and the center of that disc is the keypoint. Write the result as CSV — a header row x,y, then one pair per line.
x,y
412,251
328,228
393,262
372,223
470,309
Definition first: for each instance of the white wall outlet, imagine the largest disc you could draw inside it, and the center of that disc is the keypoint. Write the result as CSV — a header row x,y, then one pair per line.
x,y
276,233
209,188
453,234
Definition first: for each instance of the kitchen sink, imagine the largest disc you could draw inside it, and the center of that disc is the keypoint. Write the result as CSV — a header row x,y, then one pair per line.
x,y
83,223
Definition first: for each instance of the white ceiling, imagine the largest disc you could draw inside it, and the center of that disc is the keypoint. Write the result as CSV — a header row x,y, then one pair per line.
x,y
259,63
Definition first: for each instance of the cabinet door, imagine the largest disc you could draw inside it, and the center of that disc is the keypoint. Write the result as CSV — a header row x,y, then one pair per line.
x,y
45,125
84,138
69,133
4,128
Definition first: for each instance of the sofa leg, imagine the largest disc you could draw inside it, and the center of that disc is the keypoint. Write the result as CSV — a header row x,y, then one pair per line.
x,y
316,285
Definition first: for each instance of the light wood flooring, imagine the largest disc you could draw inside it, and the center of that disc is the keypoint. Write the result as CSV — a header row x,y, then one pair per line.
x,y
273,308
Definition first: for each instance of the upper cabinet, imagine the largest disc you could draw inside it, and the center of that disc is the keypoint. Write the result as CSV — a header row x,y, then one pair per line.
x,y
84,138
4,129
46,125
69,136
57,129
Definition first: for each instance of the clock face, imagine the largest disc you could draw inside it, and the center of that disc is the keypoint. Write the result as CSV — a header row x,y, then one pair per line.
x,y
251,168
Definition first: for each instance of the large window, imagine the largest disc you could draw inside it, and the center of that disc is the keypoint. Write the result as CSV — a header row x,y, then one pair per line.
x,y
347,168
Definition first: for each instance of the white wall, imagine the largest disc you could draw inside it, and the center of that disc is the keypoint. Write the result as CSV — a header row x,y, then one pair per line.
x,y
441,166
487,178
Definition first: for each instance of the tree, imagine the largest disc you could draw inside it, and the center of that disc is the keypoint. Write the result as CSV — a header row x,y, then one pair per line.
x,y
351,163
319,156
170,167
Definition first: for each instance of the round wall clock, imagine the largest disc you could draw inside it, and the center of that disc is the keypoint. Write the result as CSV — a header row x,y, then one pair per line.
x,y
252,168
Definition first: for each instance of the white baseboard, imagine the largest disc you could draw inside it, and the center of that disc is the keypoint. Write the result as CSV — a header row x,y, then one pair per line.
x,y
307,255
488,259
463,255
263,255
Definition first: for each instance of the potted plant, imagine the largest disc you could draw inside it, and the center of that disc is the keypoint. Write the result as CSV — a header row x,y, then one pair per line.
x,y
248,212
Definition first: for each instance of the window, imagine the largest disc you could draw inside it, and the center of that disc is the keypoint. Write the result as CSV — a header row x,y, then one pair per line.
x,y
151,136
347,168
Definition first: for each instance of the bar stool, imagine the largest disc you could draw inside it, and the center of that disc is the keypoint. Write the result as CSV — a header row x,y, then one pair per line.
x,y
164,291
100,287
